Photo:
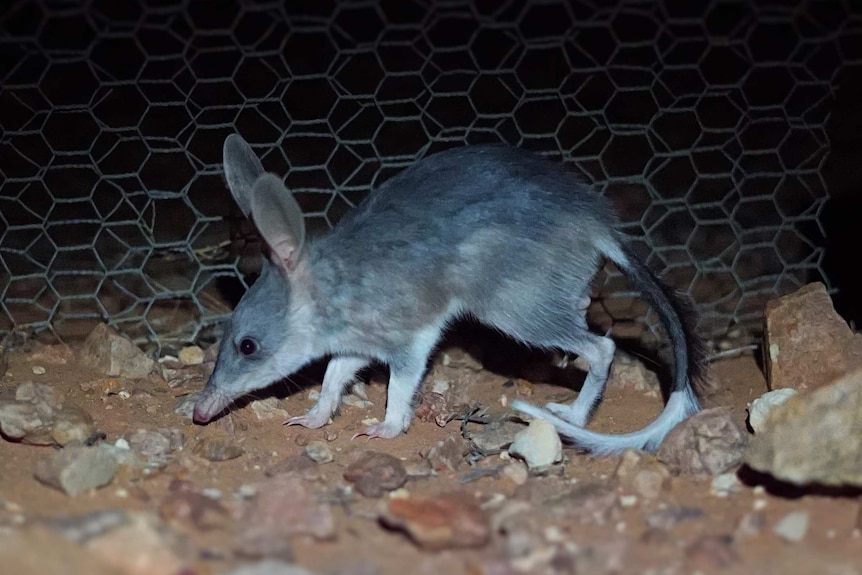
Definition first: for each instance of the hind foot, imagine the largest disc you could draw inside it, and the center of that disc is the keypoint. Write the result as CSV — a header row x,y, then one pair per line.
x,y
569,413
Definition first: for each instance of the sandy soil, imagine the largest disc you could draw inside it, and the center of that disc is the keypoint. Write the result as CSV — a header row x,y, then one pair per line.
x,y
832,536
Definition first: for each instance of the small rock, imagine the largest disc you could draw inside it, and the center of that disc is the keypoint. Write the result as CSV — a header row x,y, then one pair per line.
x,y
447,521
418,468
281,510
440,387
39,370
628,372
710,552
359,389
216,448
641,473
22,422
707,443
516,472
58,354
375,473
154,444
461,359
792,527
760,407
268,409
142,546
185,406
433,407
269,567
299,464
808,345
814,437
356,401
494,437
724,484
666,519
751,524
319,451
72,424
539,445
77,469
448,454
112,354
191,355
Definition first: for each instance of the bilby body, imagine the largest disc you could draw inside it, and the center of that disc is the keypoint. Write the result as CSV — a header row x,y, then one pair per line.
x,y
492,232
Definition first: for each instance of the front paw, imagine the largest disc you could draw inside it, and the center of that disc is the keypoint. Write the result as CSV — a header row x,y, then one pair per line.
x,y
384,430
314,419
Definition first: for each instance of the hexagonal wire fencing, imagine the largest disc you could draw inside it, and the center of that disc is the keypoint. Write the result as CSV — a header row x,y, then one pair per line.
x,y
702,121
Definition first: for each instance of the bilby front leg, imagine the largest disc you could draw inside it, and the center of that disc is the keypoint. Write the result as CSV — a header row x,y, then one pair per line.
x,y
339,372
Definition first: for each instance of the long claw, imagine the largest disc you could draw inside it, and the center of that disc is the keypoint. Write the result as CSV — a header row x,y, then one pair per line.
x,y
308,421
382,430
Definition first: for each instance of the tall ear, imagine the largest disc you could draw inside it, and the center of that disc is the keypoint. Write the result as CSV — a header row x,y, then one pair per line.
x,y
242,168
279,220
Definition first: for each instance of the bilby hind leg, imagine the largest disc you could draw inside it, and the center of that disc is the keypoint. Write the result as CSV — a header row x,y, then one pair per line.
x,y
339,372
598,352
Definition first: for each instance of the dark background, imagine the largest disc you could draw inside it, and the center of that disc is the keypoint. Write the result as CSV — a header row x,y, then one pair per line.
x,y
718,129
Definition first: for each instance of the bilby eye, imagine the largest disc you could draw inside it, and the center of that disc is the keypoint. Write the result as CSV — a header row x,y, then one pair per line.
x,y
248,346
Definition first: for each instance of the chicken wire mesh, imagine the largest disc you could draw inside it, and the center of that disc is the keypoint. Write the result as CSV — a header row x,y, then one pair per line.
x,y
702,121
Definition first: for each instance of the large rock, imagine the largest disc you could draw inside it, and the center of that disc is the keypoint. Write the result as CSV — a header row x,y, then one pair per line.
x,y
814,437
114,355
807,343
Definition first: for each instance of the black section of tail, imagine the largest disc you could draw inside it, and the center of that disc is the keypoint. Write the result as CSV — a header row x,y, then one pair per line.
x,y
676,314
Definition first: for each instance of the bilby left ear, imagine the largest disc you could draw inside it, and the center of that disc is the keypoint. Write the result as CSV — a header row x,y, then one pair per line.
x,y
279,219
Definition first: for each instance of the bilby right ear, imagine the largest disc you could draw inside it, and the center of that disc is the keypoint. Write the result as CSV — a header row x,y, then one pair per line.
x,y
242,168
279,220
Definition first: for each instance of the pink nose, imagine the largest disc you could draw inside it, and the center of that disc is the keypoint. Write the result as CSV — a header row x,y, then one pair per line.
x,y
200,416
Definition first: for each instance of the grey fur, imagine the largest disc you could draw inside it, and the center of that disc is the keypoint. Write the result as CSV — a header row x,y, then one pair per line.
x,y
497,233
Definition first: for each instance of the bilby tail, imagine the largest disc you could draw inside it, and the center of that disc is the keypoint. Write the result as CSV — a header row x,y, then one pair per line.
x,y
678,319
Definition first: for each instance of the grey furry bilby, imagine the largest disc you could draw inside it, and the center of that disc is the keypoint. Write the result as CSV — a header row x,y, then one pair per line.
x,y
492,232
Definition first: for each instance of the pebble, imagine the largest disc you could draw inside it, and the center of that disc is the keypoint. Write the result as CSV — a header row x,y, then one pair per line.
x,y
80,528
641,473
448,454
38,370
318,451
299,464
356,401
666,519
375,473
359,389
153,444
751,524
539,445
199,509
215,448
440,387
191,355
516,472
263,530
77,469
185,405
792,527
72,424
724,484
446,521
493,437
268,408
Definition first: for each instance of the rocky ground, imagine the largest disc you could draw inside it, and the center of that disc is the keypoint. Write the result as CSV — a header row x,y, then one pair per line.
x,y
103,471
